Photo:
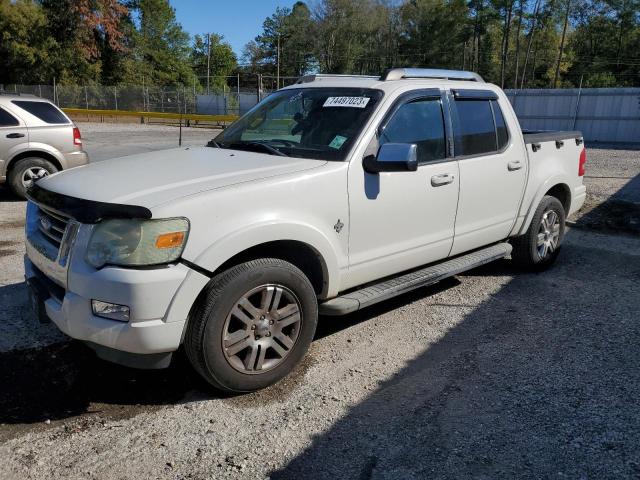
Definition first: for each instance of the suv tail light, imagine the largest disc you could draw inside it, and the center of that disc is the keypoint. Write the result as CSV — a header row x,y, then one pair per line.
x,y
582,162
77,138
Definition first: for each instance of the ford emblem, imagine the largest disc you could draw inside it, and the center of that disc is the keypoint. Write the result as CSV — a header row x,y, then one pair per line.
x,y
45,223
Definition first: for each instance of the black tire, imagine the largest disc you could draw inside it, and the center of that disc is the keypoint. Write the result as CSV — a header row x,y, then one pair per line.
x,y
210,319
21,167
526,251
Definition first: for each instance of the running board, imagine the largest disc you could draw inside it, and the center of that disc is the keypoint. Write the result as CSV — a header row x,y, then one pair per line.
x,y
350,302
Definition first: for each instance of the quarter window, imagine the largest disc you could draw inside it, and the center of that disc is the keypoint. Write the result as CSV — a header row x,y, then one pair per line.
x,y
7,120
420,122
46,112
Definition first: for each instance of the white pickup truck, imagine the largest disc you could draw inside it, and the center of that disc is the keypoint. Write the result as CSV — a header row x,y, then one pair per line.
x,y
327,197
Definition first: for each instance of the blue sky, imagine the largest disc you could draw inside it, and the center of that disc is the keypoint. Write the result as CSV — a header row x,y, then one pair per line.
x,y
238,20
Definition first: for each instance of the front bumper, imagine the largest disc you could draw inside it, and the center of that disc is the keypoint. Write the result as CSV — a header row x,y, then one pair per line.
x,y
147,292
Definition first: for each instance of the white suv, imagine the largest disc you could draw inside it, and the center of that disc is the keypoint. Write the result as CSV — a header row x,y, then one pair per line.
x,y
329,196
36,140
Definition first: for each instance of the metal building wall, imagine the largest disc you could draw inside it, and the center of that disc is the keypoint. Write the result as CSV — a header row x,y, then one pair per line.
x,y
608,115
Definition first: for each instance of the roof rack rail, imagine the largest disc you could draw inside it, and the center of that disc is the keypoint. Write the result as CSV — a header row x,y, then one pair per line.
x,y
318,76
400,73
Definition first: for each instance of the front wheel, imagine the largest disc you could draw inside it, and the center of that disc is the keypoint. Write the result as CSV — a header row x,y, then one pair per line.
x,y
539,247
252,325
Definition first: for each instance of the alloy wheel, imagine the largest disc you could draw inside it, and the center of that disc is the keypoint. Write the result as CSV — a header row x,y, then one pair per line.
x,y
548,234
32,174
262,329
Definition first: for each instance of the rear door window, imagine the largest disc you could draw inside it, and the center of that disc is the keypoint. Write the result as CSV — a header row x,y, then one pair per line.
x,y
46,112
476,130
7,120
420,122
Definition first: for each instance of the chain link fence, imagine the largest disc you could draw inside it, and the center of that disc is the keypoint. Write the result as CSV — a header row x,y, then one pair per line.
x,y
230,95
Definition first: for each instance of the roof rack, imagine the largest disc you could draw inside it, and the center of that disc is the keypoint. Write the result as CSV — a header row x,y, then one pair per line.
x,y
319,76
400,73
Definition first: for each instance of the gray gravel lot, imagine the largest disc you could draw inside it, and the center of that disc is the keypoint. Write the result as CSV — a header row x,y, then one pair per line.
x,y
108,140
494,374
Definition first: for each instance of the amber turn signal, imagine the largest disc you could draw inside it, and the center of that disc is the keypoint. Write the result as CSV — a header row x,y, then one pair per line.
x,y
170,240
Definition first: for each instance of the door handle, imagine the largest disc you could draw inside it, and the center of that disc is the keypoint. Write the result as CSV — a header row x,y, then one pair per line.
x,y
517,165
440,180
15,135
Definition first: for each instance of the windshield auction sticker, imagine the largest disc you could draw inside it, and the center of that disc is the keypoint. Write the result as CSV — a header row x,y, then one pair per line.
x,y
352,102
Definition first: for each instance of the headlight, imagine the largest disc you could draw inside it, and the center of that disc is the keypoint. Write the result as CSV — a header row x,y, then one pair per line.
x,y
137,242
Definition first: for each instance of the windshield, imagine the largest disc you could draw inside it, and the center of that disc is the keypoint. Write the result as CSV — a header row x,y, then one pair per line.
x,y
317,123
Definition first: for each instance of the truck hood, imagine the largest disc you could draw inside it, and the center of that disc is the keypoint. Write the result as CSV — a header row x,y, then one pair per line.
x,y
150,179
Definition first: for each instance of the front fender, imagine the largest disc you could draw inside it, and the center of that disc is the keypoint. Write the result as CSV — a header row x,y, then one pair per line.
x,y
236,242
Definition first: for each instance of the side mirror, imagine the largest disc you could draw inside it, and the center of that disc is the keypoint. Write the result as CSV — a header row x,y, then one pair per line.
x,y
393,157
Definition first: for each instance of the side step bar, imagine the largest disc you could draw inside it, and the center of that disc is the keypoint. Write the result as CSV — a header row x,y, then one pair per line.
x,y
350,302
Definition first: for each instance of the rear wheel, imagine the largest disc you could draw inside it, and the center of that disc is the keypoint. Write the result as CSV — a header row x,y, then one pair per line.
x,y
539,247
26,171
252,325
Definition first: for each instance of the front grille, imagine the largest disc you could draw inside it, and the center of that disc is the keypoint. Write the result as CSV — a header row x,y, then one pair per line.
x,y
52,226
50,236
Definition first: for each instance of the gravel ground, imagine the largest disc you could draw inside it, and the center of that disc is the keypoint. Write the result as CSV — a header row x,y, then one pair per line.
x,y
494,374
108,140
613,183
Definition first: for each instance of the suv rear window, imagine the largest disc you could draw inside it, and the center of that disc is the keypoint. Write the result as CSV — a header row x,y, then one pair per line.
x,y
44,111
7,120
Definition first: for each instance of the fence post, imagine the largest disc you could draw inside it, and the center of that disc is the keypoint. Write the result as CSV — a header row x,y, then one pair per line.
x,y
115,96
54,91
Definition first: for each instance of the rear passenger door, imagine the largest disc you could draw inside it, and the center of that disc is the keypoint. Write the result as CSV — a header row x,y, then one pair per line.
x,y
493,169
13,133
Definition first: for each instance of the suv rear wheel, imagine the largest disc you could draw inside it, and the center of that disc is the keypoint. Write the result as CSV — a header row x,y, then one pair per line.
x,y
26,171
539,247
252,325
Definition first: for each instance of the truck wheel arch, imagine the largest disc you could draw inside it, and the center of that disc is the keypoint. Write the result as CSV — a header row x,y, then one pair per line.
x,y
556,187
310,251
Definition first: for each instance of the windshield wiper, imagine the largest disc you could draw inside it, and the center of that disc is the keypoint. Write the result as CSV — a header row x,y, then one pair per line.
x,y
214,144
264,146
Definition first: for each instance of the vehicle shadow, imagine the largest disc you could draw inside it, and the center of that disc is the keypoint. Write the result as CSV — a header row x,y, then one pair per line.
x,y
7,196
539,381
619,213
66,379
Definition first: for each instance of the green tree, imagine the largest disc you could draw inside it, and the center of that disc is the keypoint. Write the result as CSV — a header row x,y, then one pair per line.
x,y
221,59
286,42
25,45
162,45
84,30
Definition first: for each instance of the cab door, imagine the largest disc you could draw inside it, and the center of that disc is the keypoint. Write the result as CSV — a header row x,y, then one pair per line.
x,y
493,169
400,220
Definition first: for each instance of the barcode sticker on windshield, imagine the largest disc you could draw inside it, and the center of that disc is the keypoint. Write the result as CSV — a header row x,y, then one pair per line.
x,y
353,102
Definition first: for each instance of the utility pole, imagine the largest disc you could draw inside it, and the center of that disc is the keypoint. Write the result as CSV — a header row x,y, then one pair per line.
x,y
208,60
